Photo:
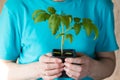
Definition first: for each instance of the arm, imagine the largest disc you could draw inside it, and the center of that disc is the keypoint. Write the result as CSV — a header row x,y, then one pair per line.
x,y
47,68
104,66
97,69
9,70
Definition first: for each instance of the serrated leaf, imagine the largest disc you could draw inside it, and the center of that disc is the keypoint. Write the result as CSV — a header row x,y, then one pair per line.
x,y
89,30
36,13
70,18
95,29
89,27
47,16
86,20
65,19
41,17
76,19
77,27
54,23
70,37
51,10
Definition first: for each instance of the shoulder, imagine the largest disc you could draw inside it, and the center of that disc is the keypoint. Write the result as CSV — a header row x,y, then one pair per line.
x,y
108,4
98,5
102,6
105,3
13,5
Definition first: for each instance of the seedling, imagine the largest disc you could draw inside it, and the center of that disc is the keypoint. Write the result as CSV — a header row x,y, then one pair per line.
x,y
61,25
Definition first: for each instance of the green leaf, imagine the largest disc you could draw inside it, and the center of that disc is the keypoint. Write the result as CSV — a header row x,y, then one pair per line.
x,y
41,17
86,20
36,13
76,19
51,10
77,27
70,18
54,23
89,27
70,37
95,29
66,20
47,16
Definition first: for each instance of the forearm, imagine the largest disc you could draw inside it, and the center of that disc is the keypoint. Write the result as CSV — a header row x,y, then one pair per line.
x,y
13,71
102,69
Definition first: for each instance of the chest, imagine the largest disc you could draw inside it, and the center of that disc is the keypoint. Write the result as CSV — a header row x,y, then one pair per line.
x,y
37,38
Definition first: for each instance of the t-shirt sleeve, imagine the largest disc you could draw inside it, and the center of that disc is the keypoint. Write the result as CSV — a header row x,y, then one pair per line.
x,y
107,40
9,35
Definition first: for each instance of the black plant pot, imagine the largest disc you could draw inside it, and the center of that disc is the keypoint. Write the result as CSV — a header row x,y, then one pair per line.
x,y
66,53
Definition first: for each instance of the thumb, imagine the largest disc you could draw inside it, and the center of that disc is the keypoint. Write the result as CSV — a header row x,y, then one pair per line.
x,y
49,59
49,54
46,55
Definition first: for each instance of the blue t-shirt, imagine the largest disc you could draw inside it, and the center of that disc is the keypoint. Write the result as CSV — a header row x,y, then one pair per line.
x,y
22,39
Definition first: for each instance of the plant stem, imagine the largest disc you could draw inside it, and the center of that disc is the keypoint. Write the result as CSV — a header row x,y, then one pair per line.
x,y
62,40
68,29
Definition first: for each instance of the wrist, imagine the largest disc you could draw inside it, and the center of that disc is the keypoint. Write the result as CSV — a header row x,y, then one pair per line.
x,y
33,70
94,70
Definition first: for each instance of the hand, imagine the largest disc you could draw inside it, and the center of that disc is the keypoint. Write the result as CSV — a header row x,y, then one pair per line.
x,y
50,67
79,67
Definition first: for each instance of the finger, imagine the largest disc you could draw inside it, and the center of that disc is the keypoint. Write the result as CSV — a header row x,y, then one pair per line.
x,y
51,77
49,59
45,66
49,54
73,67
72,74
52,72
78,60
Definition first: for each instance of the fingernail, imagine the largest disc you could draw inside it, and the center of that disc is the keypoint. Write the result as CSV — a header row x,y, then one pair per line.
x,y
65,68
59,60
67,59
66,64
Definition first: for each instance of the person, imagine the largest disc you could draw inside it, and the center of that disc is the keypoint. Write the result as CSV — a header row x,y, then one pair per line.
x,y
26,47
